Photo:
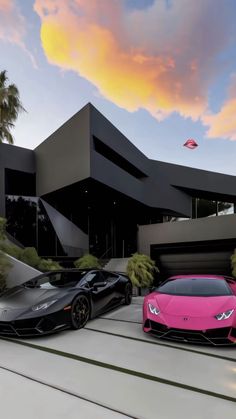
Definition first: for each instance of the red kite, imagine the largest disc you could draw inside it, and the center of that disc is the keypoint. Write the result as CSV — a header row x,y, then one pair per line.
x,y
191,143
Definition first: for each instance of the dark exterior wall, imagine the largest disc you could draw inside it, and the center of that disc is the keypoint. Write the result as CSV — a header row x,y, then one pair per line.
x,y
198,230
16,158
160,194
103,129
104,170
64,157
68,156
196,179
153,190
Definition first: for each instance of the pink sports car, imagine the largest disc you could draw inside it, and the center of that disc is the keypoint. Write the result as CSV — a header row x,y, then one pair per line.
x,y
193,308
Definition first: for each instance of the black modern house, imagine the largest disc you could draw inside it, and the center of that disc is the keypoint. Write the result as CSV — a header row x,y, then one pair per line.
x,y
88,188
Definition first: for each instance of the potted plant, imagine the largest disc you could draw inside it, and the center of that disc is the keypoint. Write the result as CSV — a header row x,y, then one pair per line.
x,y
141,269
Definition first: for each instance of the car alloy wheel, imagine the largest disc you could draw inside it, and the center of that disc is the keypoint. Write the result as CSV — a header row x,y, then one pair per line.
x,y
128,294
80,312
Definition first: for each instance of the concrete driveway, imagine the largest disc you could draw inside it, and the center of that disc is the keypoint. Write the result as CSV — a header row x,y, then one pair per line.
x,y
111,369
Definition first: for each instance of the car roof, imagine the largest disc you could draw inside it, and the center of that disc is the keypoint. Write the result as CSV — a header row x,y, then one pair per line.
x,y
200,276
79,270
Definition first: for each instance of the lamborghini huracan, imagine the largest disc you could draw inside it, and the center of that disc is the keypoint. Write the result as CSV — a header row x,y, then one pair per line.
x,y
193,308
61,299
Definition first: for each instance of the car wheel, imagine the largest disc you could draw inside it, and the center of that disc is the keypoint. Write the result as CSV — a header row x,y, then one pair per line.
x,y
128,294
80,312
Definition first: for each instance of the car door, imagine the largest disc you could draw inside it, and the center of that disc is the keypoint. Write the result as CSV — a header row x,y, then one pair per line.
x,y
99,293
110,292
103,294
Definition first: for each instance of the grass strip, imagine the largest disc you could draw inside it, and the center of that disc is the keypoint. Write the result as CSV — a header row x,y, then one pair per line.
x,y
124,370
118,320
70,393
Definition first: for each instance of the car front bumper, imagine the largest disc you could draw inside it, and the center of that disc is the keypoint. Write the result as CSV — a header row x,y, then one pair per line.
x,y
217,336
35,326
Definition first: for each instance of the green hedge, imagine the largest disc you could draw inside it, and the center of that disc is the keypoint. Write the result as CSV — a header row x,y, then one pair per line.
x,y
29,256
3,222
5,266
87,261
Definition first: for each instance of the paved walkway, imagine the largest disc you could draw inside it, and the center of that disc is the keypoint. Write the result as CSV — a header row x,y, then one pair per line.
x,y
111,369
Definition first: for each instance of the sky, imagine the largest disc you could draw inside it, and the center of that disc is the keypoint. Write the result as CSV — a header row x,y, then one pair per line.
x,y
161,71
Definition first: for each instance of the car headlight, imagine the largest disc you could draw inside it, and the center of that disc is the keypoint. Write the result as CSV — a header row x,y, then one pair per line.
x,y
225,315
43,306
153,309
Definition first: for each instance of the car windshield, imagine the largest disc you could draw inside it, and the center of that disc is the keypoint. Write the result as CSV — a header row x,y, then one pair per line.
x,y
195,287
56,280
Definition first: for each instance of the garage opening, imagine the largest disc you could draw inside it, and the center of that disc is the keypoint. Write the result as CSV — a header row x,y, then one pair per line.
x,y
212,257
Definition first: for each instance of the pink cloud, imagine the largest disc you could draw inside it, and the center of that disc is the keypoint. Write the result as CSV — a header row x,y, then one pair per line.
x,y
13,26
160,59
223,123
12,23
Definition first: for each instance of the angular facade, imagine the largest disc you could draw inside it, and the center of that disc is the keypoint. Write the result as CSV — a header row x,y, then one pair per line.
x,y
88,188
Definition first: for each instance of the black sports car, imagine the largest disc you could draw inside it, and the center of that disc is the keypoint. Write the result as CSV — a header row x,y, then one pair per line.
x,y
61,299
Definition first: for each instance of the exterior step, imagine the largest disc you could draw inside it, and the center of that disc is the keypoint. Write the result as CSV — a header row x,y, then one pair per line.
x,y
117,265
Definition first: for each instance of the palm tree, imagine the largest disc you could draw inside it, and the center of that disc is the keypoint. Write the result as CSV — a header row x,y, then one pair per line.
x,y
10,106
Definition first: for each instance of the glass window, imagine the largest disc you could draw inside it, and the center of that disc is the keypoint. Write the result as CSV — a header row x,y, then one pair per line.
x,y
206,208
29,224
21,214
195,287
109,276
225,208
20,183
91,278
56,280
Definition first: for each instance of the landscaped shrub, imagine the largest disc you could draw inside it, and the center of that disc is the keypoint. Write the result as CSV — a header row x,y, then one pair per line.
x,y
27,255
2,228
48,265
11,249
5,266
30,256
87,261
141,269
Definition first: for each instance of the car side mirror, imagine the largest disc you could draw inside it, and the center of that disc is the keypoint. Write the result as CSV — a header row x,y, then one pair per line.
x,y
99,284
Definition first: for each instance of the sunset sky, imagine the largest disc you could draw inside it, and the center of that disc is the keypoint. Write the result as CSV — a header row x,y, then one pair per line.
x,y
161,71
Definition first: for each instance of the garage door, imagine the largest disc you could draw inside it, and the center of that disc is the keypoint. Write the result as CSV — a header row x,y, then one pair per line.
x,y
200,258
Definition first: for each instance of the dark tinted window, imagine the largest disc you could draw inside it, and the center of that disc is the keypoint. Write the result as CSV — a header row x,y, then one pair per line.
x,y
198,287
109,276
117,159
91,278
57,280
20,183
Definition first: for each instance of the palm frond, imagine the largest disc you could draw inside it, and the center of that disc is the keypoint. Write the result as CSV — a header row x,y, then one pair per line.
x,y
10,107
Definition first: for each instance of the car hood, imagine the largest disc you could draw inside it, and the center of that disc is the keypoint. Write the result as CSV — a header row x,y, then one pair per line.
x,y
192,306
24,298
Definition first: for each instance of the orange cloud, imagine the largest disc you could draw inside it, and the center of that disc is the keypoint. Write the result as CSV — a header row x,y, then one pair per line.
x,y
223,123
12,23
149,58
